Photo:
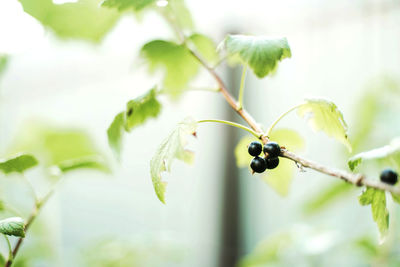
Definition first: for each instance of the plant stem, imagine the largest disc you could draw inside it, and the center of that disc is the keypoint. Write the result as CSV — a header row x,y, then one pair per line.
x,y
280,117
36,209
241,90
354,178
234,124
10,254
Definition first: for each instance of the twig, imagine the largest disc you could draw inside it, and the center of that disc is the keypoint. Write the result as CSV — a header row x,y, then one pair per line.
x,y
357,179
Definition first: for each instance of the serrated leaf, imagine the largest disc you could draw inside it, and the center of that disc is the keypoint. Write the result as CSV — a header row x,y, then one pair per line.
x,y
141,109
136,5
177,62
205,46
173,147
115,133
323,115
262,54
280,178
19,163
58,146
377,199
81,20
389,153
14,226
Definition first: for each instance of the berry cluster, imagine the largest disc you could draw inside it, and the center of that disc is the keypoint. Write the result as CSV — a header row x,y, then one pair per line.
x,y
270,161
389,176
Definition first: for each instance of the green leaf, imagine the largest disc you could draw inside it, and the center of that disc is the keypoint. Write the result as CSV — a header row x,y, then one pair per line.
x,y
177,62
141,109
14,226
390,154
325,116
18,164
396,198
91,162
81,20
377,199
205,46
172,147
326,197
137,112
58,146
115,133
260,53
136,5
180,13
280,178
3,63
2,260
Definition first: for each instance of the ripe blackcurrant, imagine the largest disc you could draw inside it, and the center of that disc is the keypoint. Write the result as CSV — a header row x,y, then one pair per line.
x,y
389,176
273,149
272,163
258,164
255,148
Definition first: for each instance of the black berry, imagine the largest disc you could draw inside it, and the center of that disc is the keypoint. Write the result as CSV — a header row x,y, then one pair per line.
x,y
389,176
273,149
258,164
272,163
255,148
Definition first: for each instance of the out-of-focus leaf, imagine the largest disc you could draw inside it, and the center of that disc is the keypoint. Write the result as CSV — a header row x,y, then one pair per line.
x,y
136,5
19,163
267,252
396,198
325,116
81,20
377,199
3,63
60,147
2,260
280,178
137,112
368,246
14,226
326,197
92,162
205,46
115,133
177,62
262,54
172,147
389,154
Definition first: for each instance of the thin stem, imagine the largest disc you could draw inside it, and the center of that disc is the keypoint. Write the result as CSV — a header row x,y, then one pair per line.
x,y
31,188
10,254
241,90
281,117
234,124
36,209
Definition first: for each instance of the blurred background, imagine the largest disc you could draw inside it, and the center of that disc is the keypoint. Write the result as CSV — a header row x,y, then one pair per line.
x,y
216,214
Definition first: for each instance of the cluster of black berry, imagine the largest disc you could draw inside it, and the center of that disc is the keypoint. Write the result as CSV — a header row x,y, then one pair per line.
x,y
270,161
389,176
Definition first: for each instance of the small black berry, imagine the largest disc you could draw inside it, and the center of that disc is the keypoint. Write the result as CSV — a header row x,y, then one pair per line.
x,y
273,149
258,164
389,176
255,148
272,163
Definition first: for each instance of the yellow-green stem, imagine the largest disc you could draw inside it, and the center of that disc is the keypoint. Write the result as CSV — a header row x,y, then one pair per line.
x,y
281,117
234,124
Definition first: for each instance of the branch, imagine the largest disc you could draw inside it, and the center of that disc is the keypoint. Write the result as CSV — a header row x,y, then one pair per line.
x,y
37,208
357,179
